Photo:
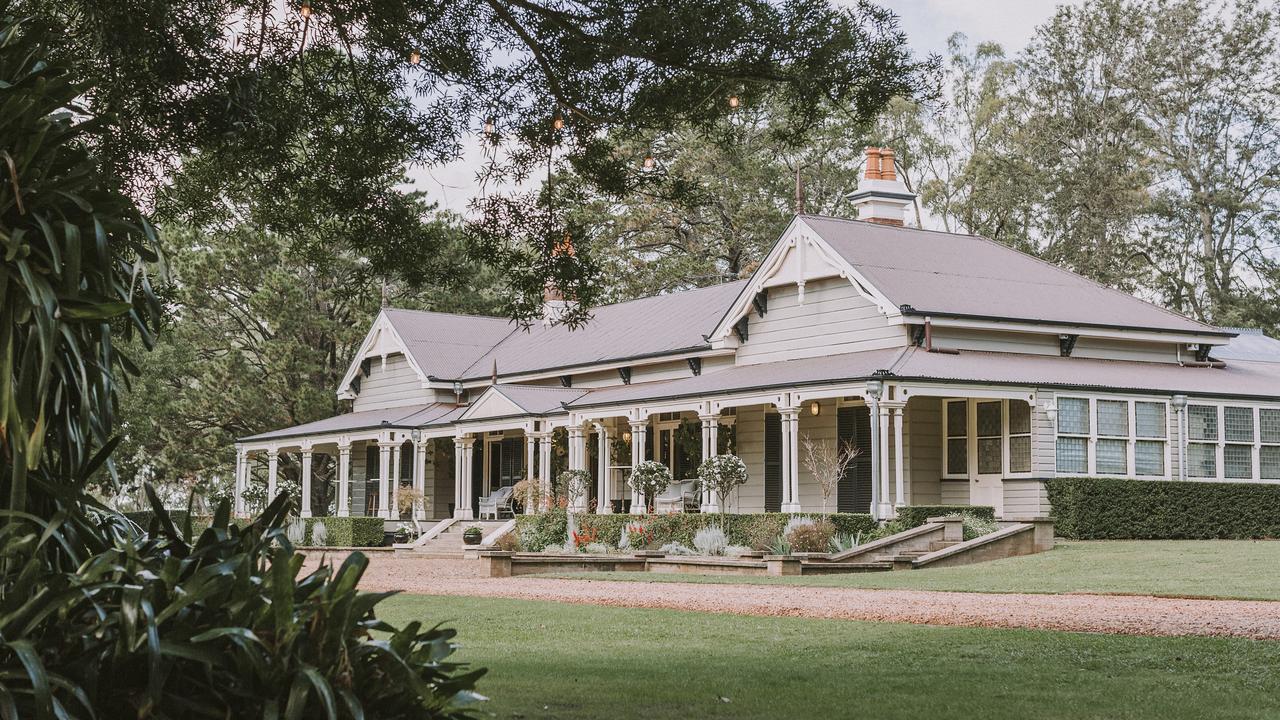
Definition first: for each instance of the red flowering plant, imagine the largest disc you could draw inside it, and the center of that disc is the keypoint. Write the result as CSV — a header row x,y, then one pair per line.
x,y
639,537
584,537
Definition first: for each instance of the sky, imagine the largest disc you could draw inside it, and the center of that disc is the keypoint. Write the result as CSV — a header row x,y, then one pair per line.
x,y
927,23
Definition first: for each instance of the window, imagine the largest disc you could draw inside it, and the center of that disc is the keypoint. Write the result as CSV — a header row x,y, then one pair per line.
x,y
1113,437
1019,437
1269,435
1202,441
1237,452
957,437
1073,435
1151,429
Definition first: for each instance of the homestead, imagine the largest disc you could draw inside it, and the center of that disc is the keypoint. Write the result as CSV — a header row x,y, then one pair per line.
x,y
965,372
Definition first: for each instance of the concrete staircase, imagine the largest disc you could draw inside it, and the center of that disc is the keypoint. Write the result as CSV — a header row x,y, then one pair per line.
x,y
448,544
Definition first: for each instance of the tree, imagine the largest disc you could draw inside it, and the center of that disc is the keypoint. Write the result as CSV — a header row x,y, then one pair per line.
x,y
827,462
721,475
650,479
232,110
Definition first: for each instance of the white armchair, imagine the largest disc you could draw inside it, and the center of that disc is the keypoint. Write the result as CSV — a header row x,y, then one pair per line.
x,y
678,497
497,503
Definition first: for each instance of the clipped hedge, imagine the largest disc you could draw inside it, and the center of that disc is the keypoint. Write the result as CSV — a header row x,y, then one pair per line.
x,y
342,531
538,531
915,515
1115,509
142,518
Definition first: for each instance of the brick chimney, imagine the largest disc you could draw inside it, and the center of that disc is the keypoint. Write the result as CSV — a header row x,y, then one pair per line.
x,y
554,304
881,197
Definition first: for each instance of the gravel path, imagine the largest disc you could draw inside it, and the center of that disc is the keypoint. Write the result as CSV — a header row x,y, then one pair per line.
x,y
1130,615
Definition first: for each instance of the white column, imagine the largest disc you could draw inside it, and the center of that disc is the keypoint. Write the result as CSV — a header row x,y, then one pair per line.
x,y
900,485
344,479
241,480
710,426
578,461
886,507
384,477
790,460
306,481
530,472
638,431
873,405
603,461
420,478
458,456
544,465
397,460
273,470
463,509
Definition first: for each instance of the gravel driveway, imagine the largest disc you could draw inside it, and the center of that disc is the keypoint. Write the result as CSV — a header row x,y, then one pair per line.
x,y
1131,615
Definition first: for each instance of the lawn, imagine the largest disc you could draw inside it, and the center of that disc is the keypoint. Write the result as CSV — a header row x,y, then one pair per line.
x,y
550,660
1177,568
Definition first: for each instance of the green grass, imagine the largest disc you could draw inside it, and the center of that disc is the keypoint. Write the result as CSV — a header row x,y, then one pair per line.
x,y
1177,568
550,660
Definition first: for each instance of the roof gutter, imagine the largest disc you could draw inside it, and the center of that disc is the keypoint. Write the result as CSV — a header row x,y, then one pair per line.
x,y
909,310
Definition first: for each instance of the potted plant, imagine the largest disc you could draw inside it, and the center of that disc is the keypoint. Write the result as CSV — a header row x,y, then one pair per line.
x,y
472,535
403,533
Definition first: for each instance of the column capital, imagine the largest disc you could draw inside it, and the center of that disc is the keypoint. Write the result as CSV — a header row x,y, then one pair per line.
x,y
710,417
789,412
344,447
638,425
893,404
464,441
306,448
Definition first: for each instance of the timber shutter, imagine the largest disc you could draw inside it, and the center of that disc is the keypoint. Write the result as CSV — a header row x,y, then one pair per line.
x,y
853,493
477,475
772,462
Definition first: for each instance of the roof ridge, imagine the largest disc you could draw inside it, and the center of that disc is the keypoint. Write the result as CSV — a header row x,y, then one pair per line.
x,y
469,316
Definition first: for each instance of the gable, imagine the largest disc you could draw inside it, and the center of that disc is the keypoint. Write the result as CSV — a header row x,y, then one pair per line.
x,y
491,404
381,343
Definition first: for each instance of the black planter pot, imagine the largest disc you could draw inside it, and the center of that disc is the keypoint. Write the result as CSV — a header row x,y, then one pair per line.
x,y
472,538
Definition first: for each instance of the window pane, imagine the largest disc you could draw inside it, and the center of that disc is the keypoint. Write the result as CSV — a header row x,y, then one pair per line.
x,y
957,419
1270,461
1149,421
1073,455
1237,461
1202,460
1113,418
989,461
1148,457
957,456
1202,422
1073,416
988,419
1270,422
1113,457
1019,417
1238,424
1019,453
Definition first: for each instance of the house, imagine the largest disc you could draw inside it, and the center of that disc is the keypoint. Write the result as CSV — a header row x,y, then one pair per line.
x,y
966,372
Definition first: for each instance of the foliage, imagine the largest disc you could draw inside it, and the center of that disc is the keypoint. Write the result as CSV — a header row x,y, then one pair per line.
x,y
595,548
409,499
828,462
1098,509
710,540
734,551
910,516
811,537
675,548
508,542
542,529
757,530
720,475
474,532
584,537
319,534
639,536
975,527
574,486
780,545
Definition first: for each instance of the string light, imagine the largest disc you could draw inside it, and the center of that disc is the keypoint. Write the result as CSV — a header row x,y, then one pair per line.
x,y
558,121
305,10
734,102
415,57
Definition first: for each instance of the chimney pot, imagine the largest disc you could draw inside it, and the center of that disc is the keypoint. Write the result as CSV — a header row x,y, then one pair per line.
x,y
873,164
887,170
881,197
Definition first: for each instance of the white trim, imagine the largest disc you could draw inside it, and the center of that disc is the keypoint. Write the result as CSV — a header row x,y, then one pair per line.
x,y
382,323
518,378
1135,334
1131,439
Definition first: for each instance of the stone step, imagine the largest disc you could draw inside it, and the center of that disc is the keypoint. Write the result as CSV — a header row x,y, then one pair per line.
x,y
823,568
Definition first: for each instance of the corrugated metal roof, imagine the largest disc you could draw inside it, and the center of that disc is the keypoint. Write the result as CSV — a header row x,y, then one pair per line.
x,y
539,399
445,344
968,275
1240,378
1249,344
406,416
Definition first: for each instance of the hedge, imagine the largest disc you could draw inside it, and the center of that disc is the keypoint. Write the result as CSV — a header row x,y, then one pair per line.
x,y
915,515
143,517
753,530
342,531
1115,509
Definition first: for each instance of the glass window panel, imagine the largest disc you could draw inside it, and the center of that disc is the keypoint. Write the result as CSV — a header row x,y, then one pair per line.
x,y
1237,461
1113,418
1113,457
1149,420
1148,457
988,419
1073,416
957,456
989,461
1019,417
1073,455
1237,424
957,419
1202,460
1270,425
1019,453
1202,422
1269,459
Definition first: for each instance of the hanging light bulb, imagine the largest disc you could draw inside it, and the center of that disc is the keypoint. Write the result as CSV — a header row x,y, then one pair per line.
x,y
648,162
415,57
490,126
734,102
558,121
305,10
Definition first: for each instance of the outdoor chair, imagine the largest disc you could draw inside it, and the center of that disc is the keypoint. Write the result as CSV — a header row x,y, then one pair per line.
x,y
678,497
497,503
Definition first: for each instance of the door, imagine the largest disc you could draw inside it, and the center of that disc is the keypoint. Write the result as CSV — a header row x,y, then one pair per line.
x,y
987,478
772,462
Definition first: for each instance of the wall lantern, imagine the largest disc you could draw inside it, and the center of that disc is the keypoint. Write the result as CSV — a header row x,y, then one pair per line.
x,y
815,408
874,389
626,436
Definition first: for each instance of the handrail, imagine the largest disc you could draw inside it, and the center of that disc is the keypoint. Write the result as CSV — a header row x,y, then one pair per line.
x,y
434,532
501,530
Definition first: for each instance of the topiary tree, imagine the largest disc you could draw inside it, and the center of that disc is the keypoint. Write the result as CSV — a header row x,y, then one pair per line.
x,y
575,485
720,475
650,478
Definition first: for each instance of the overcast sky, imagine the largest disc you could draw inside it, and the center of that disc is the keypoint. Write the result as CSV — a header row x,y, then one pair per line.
x,y
927,23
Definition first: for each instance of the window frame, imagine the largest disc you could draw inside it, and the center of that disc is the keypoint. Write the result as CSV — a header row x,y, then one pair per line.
x,y
971,439
1091,438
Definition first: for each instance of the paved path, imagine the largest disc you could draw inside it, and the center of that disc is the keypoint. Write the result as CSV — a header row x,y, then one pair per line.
x,y
1131,615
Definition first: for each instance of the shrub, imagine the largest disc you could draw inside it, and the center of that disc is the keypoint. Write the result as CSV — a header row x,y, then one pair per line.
x,y
543,529
351,531
650,478
737,551
812,537
638,536
910,516
975,527
710,541
509,542
596,548
319,533
675,548
794,522
757,530
1115,509
585,536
